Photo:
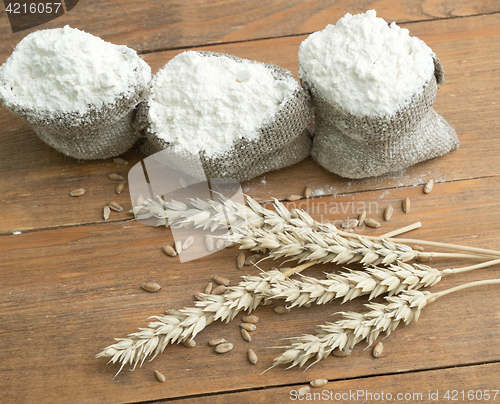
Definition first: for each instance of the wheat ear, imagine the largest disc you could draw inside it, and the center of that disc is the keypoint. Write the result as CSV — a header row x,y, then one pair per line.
x,y
354,327
177,326
372,281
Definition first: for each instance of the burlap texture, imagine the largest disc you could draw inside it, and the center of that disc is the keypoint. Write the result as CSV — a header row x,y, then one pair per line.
x,y
291,153
98,134
367,146
282,141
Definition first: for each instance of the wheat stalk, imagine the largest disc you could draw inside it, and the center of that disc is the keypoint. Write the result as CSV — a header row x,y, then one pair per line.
x,y
354,327
294,233
373,281
185,324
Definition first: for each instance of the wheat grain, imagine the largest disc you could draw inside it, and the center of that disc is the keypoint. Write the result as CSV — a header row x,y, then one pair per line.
x,y
428,187
160,376
151,287
252,357
377,350
115,177
216,341
120,162
224,348
245,335
248,327
250,319
77,192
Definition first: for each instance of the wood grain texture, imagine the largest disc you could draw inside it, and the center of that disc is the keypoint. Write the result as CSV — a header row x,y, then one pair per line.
x,y
66,293
39,179
150,25
436,386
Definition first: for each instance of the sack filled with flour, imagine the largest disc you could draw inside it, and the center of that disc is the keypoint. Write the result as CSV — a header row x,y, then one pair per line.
x,y
372,87
242,118
76,91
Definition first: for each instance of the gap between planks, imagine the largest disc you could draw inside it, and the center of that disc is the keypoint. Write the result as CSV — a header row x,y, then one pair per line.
x,y
210,44
284,200
279,386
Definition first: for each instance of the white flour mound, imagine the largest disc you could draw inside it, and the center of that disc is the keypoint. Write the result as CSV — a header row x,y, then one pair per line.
x,y
206,103
366,66
68,70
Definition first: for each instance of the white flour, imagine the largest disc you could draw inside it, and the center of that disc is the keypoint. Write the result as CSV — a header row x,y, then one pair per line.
x,y
208,102
365,66
65,69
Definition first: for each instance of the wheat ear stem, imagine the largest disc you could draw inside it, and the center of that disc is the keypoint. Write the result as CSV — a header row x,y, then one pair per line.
x,y
402,230
452,271
433,296
482,251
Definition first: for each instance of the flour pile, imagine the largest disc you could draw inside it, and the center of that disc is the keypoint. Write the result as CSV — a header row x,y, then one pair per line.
x,y
68,70
206,103
365,65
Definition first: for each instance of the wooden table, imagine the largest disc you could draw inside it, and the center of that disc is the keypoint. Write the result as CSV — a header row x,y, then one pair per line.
x,y
70,282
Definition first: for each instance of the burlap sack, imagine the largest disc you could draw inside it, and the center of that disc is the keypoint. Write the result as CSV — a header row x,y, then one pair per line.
x,y
98,134
282,141
366,146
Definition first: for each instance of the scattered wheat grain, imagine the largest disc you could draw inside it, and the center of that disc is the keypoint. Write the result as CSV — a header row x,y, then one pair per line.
x,y
252,259
377,350
161,378
341,353
406,205
372,223
308,192
250,319
246,336
318,383
248,327
178,246
169,250
240,260
252,357
388,212
428,187
120,162
106,212
120,187
115,177
115,206
151,287
281,310
224,348
190,343
209,243
208,288
77,192
216,341
219,290
221,280
188,243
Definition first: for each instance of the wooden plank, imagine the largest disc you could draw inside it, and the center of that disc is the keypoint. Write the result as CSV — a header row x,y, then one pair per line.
x,y
36,195
152,25
66,293
465,384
